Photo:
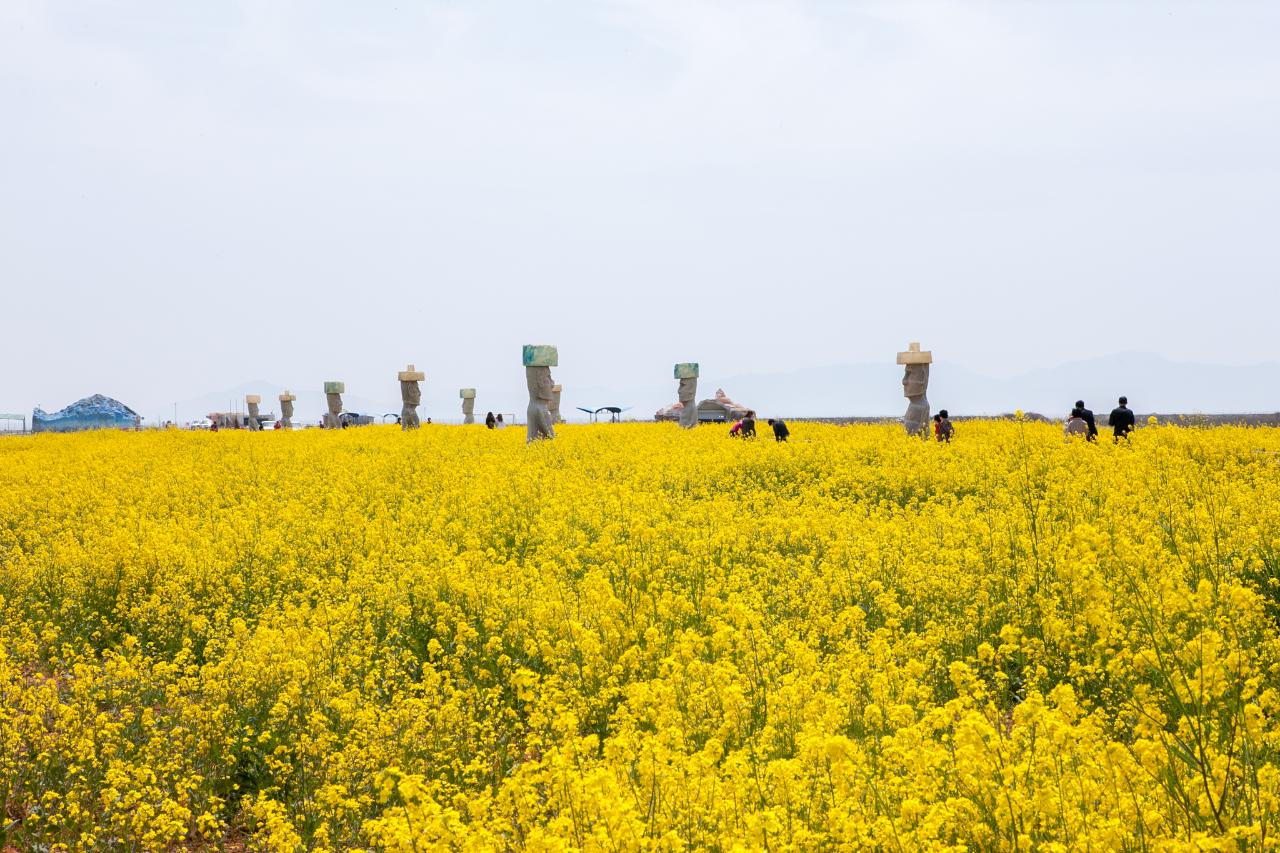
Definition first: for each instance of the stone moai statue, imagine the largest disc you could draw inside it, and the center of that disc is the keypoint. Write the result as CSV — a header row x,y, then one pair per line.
x,y
538,361
252,401
687,373
915,382
468,396
555,404
333,397
410,396
286,410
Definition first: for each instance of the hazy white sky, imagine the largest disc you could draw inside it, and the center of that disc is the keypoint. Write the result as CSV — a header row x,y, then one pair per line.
x,y
193,195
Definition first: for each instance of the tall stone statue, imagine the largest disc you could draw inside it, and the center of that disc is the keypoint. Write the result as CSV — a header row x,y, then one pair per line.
x,y
687,373
333,397
538,361
286,409
915,382
555,404
468,396
252,401
410,396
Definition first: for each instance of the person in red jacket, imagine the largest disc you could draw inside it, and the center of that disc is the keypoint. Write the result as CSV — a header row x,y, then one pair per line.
x,y
943,427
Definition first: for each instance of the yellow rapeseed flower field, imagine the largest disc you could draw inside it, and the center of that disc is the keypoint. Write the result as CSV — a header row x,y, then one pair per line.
x,y
639,638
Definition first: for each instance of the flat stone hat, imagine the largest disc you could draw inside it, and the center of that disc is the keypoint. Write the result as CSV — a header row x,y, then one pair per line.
x,y
541,355
687,370
335,387
254,399
287,397
913,355
410,374
467,393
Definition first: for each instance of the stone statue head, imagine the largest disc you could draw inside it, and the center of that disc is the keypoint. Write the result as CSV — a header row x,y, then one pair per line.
x,y
410,393
540,383
915,379
688,388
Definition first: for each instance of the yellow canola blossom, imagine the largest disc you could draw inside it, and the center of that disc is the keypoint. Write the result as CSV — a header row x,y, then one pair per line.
x,y
638,638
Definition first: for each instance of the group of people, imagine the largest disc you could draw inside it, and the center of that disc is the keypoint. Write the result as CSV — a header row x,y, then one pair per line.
x,y
745,427
1081,421
943,429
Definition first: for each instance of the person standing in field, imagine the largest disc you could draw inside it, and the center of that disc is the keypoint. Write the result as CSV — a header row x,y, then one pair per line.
x,y
490,421
499,423
945,428
780,431
1086,415
1077,425
749,425
1121,420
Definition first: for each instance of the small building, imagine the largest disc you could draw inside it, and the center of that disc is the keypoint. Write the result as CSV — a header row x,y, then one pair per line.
x,y
717,409
96,412
8,419
714,411
350,419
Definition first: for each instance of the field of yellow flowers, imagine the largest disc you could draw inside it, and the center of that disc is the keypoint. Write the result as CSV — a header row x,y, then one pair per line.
x,y
639,638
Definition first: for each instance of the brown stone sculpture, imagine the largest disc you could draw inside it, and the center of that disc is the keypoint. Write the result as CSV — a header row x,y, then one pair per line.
x,y
333,397
252,401
555,404
538,361
468,396
410,396
687,373
915,384
286,410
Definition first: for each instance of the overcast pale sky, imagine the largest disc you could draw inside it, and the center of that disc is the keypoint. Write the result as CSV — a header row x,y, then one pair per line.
x,y
194,195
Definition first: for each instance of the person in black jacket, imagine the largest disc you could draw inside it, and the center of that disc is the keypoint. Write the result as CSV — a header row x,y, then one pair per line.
x,y
780,431
1087,415
945,428
748,426
1121,419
